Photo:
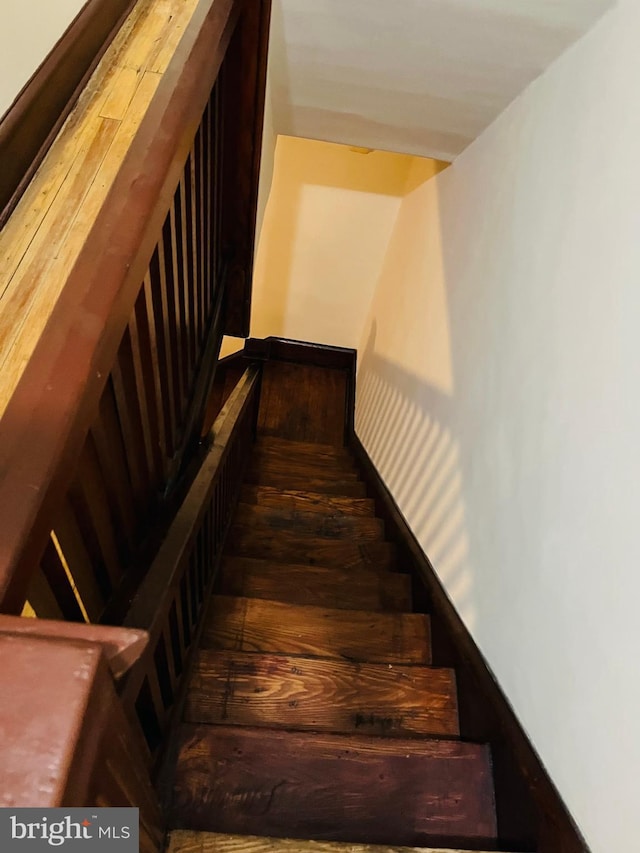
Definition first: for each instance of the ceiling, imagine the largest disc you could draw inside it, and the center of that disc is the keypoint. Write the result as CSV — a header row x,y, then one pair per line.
x,y
417,76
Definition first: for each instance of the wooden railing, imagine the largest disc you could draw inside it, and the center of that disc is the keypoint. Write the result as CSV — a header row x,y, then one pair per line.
x,y
95,703
99,433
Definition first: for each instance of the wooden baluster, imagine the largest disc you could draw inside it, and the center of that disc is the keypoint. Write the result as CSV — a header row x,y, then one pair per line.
x,y
147,382
112,459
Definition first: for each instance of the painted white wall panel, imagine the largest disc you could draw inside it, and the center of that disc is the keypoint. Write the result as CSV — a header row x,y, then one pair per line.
x,y
29,30
499,394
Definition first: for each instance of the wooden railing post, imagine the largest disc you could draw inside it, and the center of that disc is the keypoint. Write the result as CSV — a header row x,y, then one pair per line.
x,y
66,741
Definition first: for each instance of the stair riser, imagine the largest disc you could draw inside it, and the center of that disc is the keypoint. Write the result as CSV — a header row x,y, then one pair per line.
x,y
299,522
332,788
251,625
345,488
302,468
269,545
333,588
301,448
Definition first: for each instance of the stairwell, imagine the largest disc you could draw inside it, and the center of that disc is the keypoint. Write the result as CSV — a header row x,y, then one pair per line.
x,y
313,711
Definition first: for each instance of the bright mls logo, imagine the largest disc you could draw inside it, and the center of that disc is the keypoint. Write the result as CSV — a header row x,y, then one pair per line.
x,y
108,830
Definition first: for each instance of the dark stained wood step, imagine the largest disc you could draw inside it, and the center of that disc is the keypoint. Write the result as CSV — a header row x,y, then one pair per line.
x,y
333,787
295,468
265,543
303,499
187,841
311,523
305,461
329,486
296,692
302,448
333,587
256,625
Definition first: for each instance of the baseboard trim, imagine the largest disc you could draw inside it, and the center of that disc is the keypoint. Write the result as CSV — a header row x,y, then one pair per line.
x,y
34,119
531,813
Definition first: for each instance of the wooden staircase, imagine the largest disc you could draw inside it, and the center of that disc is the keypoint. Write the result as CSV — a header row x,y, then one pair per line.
x,y
313,711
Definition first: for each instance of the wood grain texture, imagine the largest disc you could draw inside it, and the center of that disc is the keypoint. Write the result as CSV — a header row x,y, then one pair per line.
x,y
245,624
295,692
331,587
187,841
304,499
320,395
322,787
46,232
309,523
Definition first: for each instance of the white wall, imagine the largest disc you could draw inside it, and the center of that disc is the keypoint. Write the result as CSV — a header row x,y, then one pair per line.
x,y
499,393
28,31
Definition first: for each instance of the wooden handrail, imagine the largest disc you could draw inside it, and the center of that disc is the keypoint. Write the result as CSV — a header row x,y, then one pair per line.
x,y
61,391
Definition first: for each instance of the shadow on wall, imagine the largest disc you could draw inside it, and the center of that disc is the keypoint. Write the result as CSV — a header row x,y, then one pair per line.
x,y
418,457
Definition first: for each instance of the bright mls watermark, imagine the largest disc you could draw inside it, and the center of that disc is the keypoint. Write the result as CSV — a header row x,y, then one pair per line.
x,y
79,830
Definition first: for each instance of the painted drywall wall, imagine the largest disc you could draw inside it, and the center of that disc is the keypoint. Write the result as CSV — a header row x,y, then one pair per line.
x,y
498,393
326,226
28,32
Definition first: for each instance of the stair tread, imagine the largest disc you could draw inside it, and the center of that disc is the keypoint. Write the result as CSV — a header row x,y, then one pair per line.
x,y
306,499
325,587
331,525
331,486
320,786
296,692
256,625
188,841
308,549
